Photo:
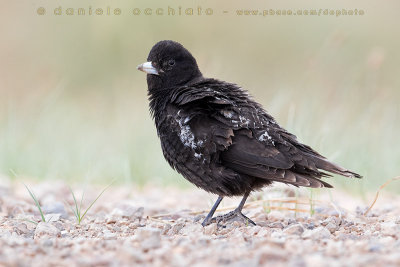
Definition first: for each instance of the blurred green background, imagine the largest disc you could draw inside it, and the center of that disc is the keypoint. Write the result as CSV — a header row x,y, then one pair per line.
x,y
74,107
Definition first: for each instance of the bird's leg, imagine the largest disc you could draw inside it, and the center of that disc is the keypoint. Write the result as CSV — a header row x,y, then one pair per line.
x,y
237,213
207,220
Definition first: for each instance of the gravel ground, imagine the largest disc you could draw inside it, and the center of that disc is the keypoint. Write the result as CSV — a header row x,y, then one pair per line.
x,y
157,226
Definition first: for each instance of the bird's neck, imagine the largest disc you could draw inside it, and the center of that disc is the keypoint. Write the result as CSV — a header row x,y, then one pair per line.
x,y
160,95
159,98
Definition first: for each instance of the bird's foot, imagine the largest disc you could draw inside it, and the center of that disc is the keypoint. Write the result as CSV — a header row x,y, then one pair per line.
x,y
235,215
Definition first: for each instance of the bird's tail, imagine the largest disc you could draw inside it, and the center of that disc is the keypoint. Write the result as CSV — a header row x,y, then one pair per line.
x,y
326,165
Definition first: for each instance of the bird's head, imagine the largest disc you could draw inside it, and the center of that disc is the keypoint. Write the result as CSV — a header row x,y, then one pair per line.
x,y
169,64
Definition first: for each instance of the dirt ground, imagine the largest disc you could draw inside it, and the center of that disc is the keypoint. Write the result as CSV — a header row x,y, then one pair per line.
x,y
156,226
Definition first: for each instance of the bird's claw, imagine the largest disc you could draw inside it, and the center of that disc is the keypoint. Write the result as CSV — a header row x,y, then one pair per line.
x,y
235,215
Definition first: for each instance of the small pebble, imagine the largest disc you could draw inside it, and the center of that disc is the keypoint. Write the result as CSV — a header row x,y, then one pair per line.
x,y
275,216
210,229
318,233
149,238
294,229
46,229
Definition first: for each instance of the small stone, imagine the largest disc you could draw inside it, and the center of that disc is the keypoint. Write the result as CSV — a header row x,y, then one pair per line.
x,y
277,235
52,217
55,208
166,228
48,243
331,227
210,229
310,226
332,223
296,229
348,223
334,248
112,218
276,225
109,235
149,238
198,218
64,233
390,228
262,217
253,230
337,213
375,247
176,228
317,233
46,229
191,229
269,255
21,228
128,211
275,216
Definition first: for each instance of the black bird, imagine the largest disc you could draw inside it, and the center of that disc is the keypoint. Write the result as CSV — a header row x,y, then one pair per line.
x,y
215,135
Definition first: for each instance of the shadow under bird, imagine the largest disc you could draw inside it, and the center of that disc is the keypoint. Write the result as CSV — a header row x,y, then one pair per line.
x,y
215,135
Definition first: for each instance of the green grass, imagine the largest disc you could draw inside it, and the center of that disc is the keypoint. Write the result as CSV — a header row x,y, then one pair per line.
x,y
266,206
37,204
77,208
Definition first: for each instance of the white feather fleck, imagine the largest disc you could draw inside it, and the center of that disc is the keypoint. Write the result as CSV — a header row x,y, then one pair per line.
x,y
198,155
186,135
227,114
265,136
244,120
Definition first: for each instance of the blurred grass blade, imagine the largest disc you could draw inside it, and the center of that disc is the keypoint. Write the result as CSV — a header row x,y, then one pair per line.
x,y
36,202
76,211
80,206
94,201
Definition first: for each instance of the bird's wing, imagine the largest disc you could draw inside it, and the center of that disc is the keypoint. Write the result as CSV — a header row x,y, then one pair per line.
x,y
245,139
253,157
189,94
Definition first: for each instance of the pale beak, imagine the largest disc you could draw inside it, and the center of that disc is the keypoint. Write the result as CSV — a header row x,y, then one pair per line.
x,y
148,68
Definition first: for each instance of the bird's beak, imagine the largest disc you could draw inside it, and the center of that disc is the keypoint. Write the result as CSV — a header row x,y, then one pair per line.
x,y
148,68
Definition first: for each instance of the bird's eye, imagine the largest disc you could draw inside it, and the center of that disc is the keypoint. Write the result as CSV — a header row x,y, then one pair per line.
x,y
171,62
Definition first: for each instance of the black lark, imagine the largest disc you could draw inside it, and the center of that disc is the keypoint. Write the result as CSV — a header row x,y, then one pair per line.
x,y
215,135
